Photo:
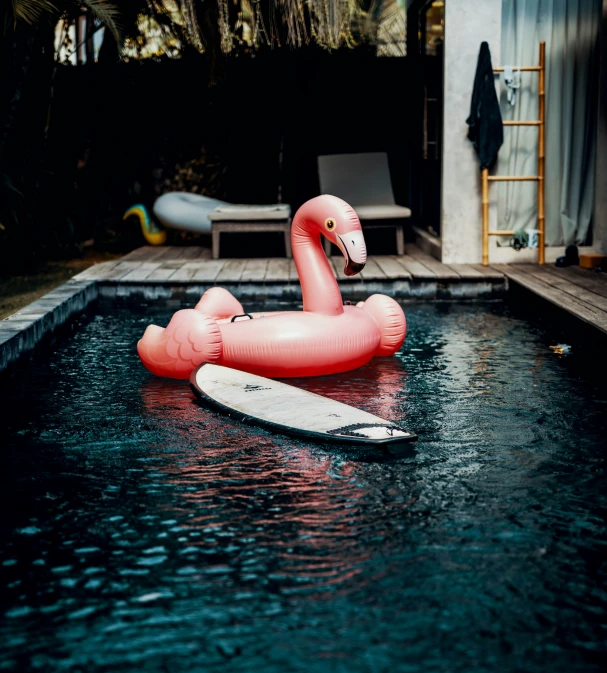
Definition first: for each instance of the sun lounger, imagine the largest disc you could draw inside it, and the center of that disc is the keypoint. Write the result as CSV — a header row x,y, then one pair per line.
x,y
363,180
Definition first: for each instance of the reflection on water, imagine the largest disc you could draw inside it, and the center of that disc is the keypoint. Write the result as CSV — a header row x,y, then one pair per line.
x,y
141,531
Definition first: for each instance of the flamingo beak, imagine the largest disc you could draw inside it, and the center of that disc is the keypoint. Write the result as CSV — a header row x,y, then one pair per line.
x,y
353,248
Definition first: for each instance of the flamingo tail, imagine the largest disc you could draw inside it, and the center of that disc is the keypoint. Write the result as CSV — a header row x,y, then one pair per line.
x,y
190,339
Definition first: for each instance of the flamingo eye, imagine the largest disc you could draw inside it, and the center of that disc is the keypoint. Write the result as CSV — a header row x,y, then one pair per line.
x,y
330,223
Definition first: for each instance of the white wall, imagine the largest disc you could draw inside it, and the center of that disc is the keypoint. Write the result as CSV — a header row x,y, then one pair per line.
x,y
467,24
600,204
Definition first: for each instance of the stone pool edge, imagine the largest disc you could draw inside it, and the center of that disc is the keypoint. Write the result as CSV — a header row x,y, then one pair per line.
x,y
22,331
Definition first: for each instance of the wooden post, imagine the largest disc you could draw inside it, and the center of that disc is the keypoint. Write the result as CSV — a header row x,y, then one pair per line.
x,y
485,202
540,157
400,240
215,241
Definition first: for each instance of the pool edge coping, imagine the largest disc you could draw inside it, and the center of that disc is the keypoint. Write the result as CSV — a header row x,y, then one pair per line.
x,y
22,331
27,327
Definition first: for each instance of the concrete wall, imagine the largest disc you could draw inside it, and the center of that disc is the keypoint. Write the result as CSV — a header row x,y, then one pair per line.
x,y
600,204
467,24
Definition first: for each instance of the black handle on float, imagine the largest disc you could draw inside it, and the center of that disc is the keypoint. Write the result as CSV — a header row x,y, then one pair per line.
x,y
241,315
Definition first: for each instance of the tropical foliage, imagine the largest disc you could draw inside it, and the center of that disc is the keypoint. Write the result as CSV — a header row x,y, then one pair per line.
x,y
33,11
40,35
217,25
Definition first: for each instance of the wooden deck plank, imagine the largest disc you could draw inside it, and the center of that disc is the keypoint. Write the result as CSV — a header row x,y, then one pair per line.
x,y
467,271
142,271
372,270
231,271
171,253
564,284
209,270
163,272
166,253
120,270
191,253
97,271
186,253
278,270
415,269
595,282
576,307
487,271
440,270
187,271
147,253
390,266
255,270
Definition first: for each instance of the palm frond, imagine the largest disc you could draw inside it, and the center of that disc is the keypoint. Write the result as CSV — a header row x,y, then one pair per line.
x,y
31,10
107,13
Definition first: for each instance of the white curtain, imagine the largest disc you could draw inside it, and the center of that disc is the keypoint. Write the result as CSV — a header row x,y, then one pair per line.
x,y
571,30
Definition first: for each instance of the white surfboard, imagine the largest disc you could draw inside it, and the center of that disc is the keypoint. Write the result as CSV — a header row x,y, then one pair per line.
x,y
289,410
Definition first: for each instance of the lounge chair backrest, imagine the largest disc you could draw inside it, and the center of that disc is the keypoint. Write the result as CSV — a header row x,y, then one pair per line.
x,y
359,179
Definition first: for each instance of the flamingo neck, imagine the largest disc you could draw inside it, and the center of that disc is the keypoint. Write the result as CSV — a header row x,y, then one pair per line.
x,y
319,288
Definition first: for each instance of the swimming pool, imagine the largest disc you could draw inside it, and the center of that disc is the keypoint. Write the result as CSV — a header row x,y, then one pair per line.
x,y
142,532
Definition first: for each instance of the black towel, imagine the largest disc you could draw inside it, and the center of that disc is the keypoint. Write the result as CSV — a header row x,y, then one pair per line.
x,y
485,121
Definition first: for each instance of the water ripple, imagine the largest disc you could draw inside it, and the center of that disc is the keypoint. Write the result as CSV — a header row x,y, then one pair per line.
x,y
141,531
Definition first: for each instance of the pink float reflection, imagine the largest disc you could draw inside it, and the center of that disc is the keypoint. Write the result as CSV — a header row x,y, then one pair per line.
x,y
298,514
379,387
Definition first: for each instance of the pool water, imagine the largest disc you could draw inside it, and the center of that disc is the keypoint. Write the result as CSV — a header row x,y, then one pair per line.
x,y
142,532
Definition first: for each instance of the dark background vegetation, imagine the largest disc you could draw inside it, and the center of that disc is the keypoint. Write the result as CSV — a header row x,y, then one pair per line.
x,y
81,144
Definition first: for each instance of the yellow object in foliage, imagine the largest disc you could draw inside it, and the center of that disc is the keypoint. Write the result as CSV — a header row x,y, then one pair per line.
x,y
153,233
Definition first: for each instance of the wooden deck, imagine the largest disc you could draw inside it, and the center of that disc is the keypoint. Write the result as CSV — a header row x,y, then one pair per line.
x,y
194,264
581,293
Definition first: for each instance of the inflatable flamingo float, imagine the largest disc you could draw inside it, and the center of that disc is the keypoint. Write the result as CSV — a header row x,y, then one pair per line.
x,y
325,338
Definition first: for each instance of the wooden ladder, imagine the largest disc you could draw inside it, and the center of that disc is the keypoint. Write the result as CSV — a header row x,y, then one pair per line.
x,y
539,178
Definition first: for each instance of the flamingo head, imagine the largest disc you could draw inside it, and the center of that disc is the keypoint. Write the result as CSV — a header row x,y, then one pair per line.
x,y
338,222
